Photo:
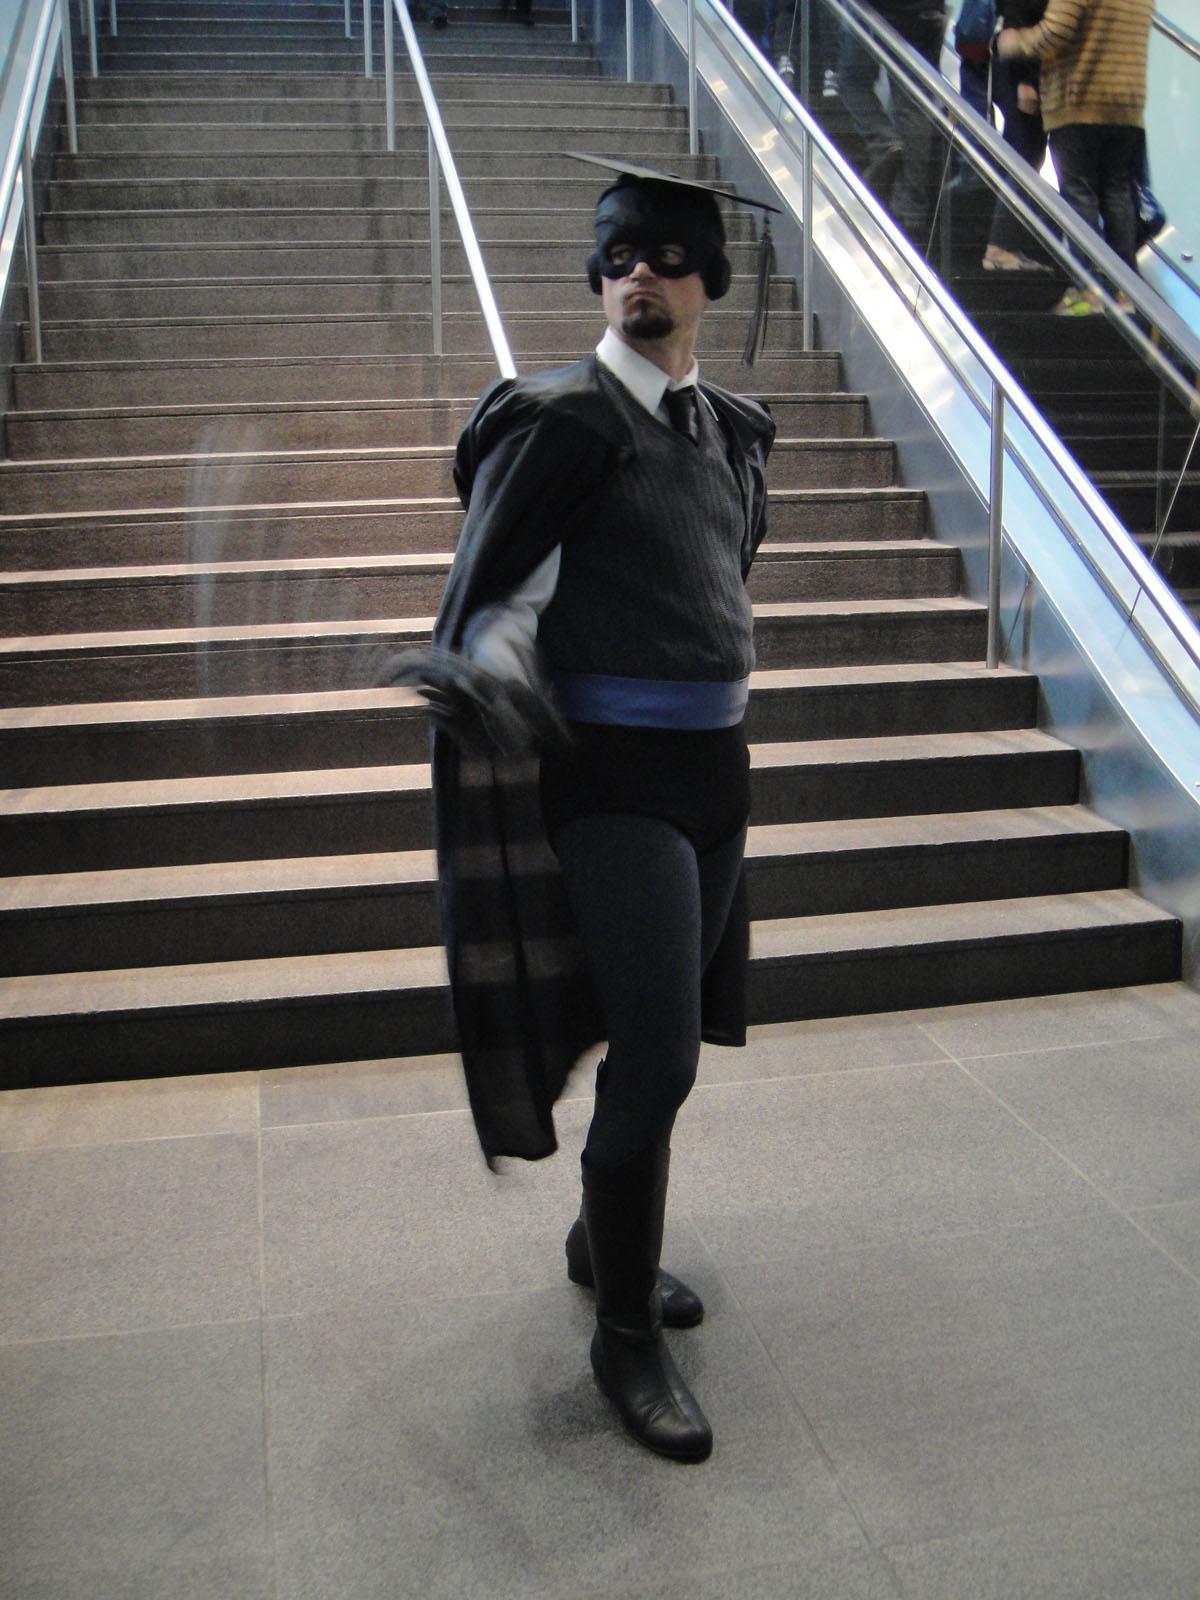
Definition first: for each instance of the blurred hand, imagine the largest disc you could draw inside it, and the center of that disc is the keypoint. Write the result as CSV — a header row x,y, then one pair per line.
x,y
466,701
1028,99
1008,44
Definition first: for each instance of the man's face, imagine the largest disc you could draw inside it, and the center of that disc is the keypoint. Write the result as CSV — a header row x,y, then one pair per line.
x,y
642,304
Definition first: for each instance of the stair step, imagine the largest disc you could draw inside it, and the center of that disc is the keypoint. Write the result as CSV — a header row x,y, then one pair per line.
x,y
201,259
305,655
305,378
362,1005
378,294
243,910
251,96
145,430
562,333
255,478
272,815
952,955
359,587
142,739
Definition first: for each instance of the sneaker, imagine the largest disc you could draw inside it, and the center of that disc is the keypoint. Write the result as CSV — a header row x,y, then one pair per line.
x,y
441,22
996,259
1079,303
829,84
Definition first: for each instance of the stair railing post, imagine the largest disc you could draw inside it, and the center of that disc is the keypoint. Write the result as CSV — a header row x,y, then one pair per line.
x,y
574,21
995,526
389,72
806,286
112,17
435,242
93,53
693,130
347,18
68,72
31,263
368,65
628,41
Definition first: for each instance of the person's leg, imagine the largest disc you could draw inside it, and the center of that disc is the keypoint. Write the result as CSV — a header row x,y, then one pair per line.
x,y
1025,134
921,165
1120,152
1075,149
857,74
650,913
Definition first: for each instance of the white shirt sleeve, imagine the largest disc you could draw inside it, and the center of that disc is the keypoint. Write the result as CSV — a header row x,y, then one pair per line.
x,y
500,638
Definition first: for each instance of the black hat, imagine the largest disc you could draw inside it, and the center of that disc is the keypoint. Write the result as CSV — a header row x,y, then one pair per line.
x,y
649,205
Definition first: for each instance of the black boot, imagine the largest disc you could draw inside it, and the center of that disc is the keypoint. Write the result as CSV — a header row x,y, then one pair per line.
x,y
681,1307
623,1210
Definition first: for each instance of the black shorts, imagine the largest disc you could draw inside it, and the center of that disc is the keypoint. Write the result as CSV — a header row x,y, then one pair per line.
x,y
698,780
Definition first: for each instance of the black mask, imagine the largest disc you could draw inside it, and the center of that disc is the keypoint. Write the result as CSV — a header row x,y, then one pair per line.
x,y
649,247
648,216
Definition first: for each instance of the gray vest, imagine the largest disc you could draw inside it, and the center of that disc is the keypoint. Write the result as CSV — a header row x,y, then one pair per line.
x,y
650,584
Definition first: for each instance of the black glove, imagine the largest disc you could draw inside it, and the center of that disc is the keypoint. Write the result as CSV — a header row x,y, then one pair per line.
x,y
467,701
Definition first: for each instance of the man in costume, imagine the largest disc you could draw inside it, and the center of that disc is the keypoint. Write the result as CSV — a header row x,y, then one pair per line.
x,y
591,775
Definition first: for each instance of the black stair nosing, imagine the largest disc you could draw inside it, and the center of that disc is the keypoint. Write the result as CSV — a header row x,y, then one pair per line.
x,y
204,569
986,698
158,916
393,1003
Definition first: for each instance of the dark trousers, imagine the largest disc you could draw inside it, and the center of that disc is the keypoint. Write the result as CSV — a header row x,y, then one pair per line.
x,y
1096,166
651,909
1023,130
904,123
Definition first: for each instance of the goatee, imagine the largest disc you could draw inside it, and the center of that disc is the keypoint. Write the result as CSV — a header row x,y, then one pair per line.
x,y
647,322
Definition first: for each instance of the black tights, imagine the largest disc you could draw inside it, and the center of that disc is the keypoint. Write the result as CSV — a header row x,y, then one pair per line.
x,y
651,910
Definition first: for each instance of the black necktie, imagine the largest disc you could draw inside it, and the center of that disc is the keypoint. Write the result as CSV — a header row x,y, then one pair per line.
x,y
681,408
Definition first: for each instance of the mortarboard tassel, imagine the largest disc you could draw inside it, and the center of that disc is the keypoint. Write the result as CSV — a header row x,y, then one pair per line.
x,y
762,289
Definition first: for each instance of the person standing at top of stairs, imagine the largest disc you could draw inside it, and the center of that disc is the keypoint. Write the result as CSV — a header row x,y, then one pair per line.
x,y
899,140
641,622
1093,91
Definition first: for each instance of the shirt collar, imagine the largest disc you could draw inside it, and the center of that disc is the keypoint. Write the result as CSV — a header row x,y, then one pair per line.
x,y
645,382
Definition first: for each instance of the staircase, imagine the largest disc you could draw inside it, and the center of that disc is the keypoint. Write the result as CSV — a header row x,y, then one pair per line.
x,y
227,490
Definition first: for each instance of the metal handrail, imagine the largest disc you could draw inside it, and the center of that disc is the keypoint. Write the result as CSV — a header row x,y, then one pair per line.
x,y
1005,392
1176,35
19,156
440,157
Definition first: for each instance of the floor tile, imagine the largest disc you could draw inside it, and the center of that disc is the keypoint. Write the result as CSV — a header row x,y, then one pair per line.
x,y
406,1206
461,1448
959,1383
1151,1551
117,1113
133,1467
1129,1119
831,1577
349,1090
119,1237
849,1157
824,1044
1176,1228
1041,1022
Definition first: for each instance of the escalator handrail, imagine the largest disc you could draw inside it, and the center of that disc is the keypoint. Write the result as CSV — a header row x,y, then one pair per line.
x,y
1176,35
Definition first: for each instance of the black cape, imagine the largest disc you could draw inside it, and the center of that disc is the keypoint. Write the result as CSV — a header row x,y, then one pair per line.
x,y
529,460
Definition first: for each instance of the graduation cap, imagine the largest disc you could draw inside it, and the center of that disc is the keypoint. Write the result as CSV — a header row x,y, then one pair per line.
x,y
642,200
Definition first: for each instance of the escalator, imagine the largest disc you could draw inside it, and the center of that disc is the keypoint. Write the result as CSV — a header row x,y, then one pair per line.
x,y
1132,430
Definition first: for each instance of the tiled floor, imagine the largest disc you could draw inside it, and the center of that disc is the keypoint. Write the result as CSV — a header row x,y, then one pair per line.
x,y
284,1336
